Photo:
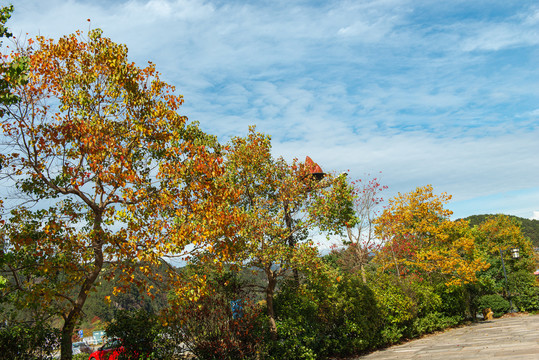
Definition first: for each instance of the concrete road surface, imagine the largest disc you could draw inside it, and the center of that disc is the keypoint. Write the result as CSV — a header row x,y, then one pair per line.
x,y
508,338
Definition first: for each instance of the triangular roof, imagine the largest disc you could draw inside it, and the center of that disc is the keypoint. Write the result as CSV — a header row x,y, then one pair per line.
x,y
313,167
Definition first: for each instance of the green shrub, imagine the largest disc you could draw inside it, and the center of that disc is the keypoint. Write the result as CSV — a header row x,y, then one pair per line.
x,y
300,326
392,334
453,300
325,317
433,322
426,298
28,341
141,335
360,316
520,281
495,302
296,341
397,303
528,299
80,357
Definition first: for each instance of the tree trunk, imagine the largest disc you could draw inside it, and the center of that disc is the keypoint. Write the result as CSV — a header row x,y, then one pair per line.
x,y
363,273
73,316
396,263
270,289
361,255
291,239
66,351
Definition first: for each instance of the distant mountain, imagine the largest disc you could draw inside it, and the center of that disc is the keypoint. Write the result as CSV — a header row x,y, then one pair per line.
x,y
530,228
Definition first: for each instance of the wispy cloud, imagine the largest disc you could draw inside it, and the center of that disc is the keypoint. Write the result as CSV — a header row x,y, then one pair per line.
x,y
494,37
425,91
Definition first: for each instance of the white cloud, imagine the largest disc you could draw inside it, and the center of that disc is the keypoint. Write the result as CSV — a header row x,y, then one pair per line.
x,y
532,18
535,215
533,115
513,31
368,31
501,36
360,85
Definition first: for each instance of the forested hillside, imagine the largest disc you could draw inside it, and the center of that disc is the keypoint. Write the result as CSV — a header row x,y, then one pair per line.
x,y
530,228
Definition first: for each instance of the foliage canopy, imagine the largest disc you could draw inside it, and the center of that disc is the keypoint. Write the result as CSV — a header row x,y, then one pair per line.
x,y
103,164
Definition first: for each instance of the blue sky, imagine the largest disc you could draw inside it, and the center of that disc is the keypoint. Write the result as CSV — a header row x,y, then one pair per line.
x,y
427,92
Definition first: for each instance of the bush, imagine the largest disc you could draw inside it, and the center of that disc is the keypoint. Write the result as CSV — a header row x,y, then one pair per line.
x,y
141,335
392,334
362,318
28,341
426,298
528,299
325,317
397,305
412,307
453,301
520,281
296,341
209,329
80,357
495,302
433,322
300,327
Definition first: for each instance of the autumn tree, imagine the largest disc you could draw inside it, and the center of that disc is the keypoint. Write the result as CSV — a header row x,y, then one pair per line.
x,y
106,172
282,203
419,237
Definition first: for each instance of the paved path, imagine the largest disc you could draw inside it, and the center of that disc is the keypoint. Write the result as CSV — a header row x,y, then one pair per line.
x,y
507,338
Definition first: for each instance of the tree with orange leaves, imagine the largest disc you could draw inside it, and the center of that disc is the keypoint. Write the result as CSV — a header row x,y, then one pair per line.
x,y
109,172
418,237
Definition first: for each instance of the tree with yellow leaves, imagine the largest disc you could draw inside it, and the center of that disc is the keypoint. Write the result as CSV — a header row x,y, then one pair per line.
x,y
419,237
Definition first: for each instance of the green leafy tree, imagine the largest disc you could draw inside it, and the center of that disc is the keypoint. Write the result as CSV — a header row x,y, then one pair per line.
x,y
496,236
281,202
12,70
